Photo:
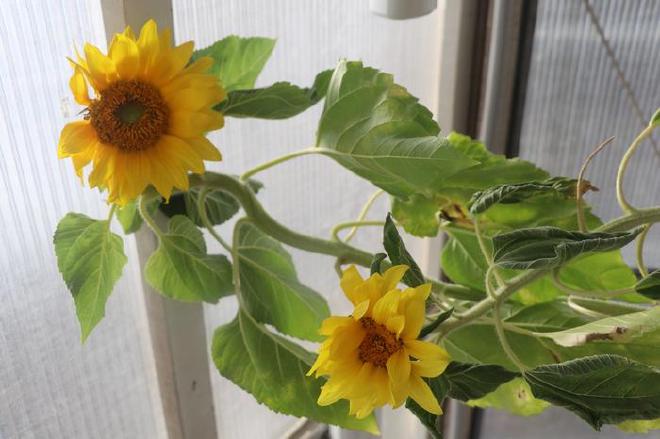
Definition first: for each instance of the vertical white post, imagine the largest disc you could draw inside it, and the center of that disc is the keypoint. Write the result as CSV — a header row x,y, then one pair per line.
x,y
177,331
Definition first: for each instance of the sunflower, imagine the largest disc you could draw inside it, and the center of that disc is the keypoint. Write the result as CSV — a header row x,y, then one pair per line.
x,y
147,121
373,357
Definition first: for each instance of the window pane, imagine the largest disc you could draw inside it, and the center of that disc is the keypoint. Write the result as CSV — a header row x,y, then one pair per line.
x,y
51,385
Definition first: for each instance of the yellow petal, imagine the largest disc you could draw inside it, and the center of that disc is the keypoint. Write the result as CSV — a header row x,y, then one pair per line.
x,y
149,45
414,311
398,367
350,283
182,153
331,392
193,99
429,368
200,65
331,323
204,148
186,124
421,393
78,86
386,306
396,324
124,53
75,138
101,68
423,350
393,276
360,310
346,341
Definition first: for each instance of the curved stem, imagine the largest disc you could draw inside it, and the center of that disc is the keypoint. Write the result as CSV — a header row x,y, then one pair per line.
x,y
262,219
486,252
501,335
201,210
641,266
556,280
620,196
582,223
363,213
144,212
277,161
354,224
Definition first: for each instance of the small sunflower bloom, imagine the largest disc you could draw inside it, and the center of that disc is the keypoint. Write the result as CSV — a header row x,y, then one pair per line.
x,y
147,119
373,357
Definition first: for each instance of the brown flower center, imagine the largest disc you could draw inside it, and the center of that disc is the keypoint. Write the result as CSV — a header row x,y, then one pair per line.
x,y
378,345
131,115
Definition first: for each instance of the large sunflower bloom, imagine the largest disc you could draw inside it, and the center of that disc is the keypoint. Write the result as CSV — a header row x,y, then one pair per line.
x,y
147,121
373,357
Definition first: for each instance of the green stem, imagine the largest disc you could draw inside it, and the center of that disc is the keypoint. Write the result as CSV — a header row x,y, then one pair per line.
x,y
277,161
582,223
641,266
201,210
501,335
355,225
111,213
486,304
144,212
258,215
556,280
363,213
631,220
487,255
625,206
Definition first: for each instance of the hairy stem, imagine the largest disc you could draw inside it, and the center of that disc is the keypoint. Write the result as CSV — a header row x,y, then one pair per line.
x,y
201,210
262,219
144,212
277,161
501,335
639,253
631,220
582,223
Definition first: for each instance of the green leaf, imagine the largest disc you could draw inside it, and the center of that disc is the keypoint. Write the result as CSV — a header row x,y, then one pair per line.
x,y
237,61
220,206
432,422
650,286
639,426
398,254
604,389
376,129
472,381
557,187
462,260
515,397
281,100
270,288
273,370
491,169
548,317
620,329
547,247
418,215
375,262
91,259
426,330
478,344
181,269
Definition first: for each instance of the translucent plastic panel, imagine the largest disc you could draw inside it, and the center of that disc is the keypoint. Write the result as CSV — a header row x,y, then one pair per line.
x,y
310,194
575,100
51,385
